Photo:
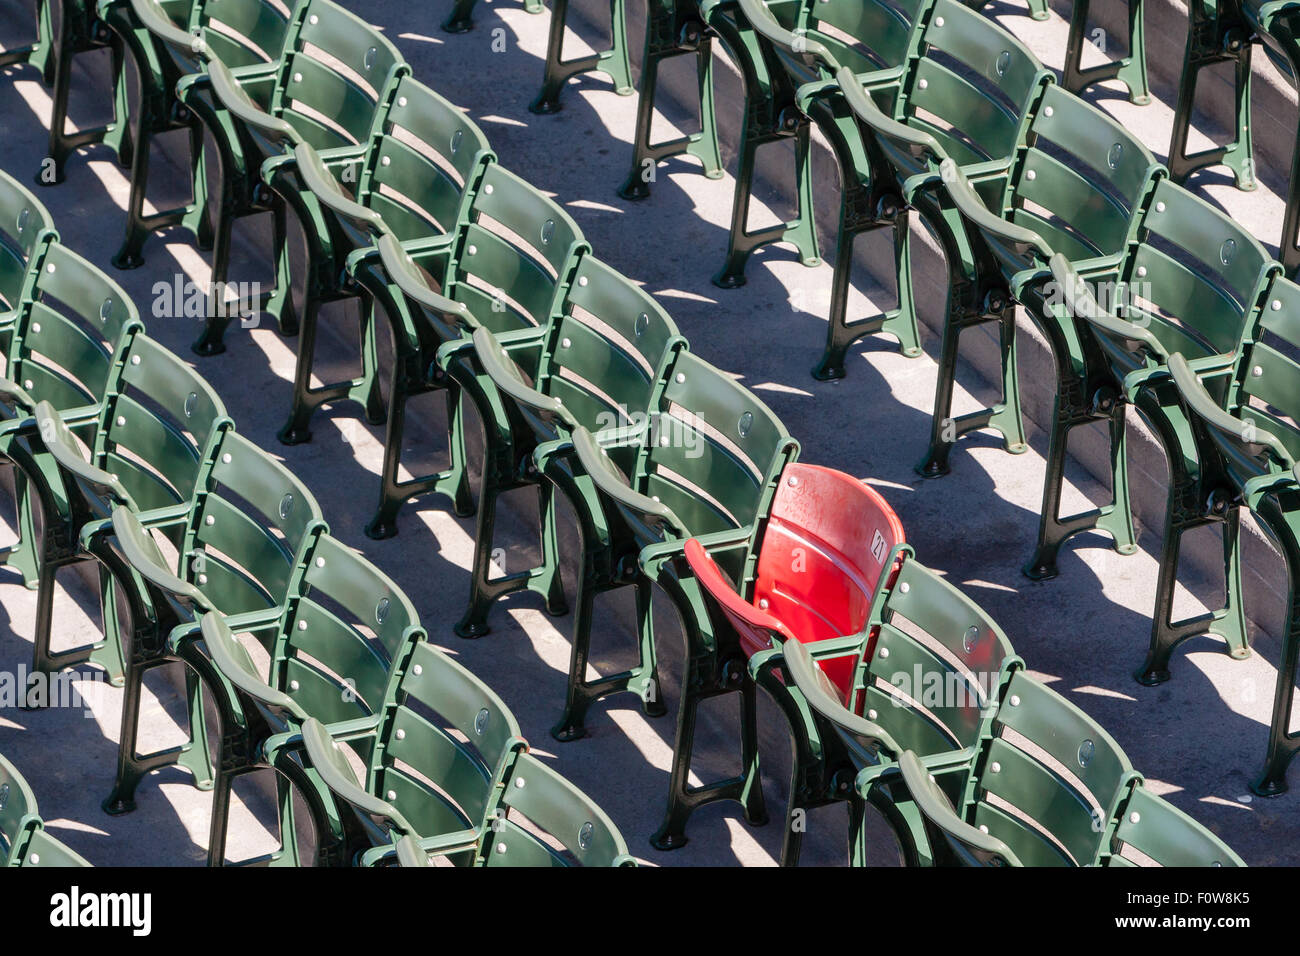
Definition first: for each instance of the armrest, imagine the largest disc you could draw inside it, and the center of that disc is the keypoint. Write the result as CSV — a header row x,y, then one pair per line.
x,y
155,20
1200,402
63,447
416,852
760,18
609,481
336,773
865,108
972,207
317,178
236,100
821,697
11,393
501,368
237,667
1083,305
142,554
397,263
932,803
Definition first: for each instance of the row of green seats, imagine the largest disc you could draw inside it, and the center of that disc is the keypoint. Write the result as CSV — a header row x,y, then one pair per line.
x,y
126,448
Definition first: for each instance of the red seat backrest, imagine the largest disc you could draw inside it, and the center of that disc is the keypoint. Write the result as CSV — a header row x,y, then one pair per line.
x,y
822,554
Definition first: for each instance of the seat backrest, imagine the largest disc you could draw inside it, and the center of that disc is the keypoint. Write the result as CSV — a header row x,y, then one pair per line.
x,y
249,524
1194,275
66,336
514,254
936,666
18,813
1057,768
607,353
822,554
24,222
335,71
712,451
863,35
1165,835
158,428
970,84
345,628
552,804
446,746
241,32
425,154
1261,390
44,850
1077,184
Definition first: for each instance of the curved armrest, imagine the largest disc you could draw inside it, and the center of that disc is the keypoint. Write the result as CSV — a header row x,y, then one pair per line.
x,y
62,446
236,100
11,393
336,773
766,25
1200,402
933,804
821,696
397,263
144,557
501,368
317,177
1083,305
154,19
609,481
865,108
237,667
972,207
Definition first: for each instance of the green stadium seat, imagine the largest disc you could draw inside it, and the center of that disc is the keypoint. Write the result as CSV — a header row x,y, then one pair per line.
x,y
24,841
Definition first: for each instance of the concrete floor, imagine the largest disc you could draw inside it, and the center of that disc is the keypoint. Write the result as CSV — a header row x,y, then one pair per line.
x,y
1199,738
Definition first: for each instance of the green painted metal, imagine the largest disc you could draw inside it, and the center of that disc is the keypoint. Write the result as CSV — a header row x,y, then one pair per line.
x,y
40,51
673,28
1047,786
324,88
336,654
80,30
965,94
601,363
1218,32
409,179
703,464
24,841
447,774
933,695
504,264
1018,215
613,61
169,42
64,357
240,537
1246,400
1130,68
1190,281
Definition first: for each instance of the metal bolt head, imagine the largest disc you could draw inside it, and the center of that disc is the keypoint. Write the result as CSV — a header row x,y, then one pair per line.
x,y
1134,817
884,652
293,685
996,767
1015,700
871,715
401,734
905,587
417,670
